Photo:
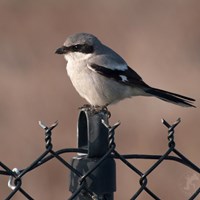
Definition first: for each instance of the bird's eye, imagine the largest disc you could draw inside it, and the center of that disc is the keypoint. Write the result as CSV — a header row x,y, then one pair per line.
x,y
83,48
76,47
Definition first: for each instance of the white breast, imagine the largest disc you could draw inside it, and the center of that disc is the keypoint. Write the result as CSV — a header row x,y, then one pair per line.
x,y
95,88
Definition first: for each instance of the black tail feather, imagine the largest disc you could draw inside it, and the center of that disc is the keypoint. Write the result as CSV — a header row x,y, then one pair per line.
x,y
171,97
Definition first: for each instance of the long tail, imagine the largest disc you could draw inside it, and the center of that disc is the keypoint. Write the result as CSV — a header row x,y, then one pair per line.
x,y
171,97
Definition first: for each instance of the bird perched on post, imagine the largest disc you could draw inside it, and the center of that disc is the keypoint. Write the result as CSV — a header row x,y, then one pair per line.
x,y
102,77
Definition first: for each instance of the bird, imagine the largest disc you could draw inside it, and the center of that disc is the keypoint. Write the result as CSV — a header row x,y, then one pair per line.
x,y
102,76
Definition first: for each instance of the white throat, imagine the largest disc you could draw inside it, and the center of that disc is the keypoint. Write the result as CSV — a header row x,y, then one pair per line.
x,y
76,56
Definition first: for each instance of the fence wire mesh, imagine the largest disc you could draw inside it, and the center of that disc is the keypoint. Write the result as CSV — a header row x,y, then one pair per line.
x,y
15,175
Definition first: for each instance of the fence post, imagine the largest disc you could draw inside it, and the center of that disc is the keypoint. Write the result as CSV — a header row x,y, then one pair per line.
x,y
92,135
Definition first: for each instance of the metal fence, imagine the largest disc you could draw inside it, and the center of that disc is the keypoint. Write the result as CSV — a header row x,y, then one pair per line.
x,y
93,170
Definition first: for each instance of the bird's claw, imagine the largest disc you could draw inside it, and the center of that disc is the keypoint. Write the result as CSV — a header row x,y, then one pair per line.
x,y
96,109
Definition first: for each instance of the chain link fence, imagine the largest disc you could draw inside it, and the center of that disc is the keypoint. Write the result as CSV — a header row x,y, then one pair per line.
x,y
93,170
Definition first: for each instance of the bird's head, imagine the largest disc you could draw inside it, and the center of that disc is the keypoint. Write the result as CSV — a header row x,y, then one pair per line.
x,y
79,45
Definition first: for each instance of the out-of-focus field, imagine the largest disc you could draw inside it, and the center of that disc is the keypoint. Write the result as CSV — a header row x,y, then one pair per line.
x,y
158,39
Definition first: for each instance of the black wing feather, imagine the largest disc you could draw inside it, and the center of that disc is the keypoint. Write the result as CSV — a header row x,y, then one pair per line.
x,y
132,78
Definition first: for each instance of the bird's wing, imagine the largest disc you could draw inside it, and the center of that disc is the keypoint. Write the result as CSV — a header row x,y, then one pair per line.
x,y
120,72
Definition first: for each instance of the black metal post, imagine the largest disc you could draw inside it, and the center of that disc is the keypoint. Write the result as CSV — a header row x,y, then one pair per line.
x,y
92,135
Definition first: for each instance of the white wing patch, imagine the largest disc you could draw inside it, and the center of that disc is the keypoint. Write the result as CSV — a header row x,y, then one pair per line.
x,y
124,78
112,67
121,67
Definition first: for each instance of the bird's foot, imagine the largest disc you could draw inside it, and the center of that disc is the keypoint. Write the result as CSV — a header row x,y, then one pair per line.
x,y
96,109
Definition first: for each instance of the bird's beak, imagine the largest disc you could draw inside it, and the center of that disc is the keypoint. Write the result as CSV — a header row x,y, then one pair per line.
x,y
61,50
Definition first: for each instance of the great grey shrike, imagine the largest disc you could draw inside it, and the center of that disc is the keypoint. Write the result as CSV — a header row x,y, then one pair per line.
x,y
102,77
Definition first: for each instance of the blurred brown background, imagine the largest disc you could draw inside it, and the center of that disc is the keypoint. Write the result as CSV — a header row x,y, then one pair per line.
x,y
159,39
